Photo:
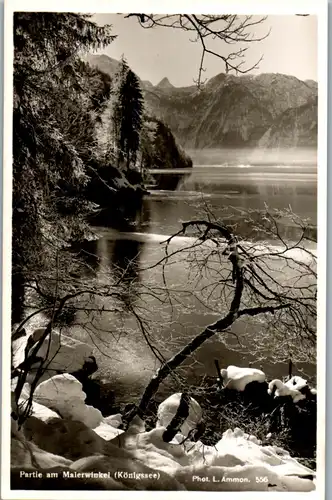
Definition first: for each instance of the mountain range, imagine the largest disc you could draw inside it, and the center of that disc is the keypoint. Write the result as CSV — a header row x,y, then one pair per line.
x,y
266,110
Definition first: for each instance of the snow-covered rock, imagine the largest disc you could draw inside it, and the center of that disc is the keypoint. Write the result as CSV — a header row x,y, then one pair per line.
x,y
296,383
114,420
128,439
237,378
108,428
26,341
37,410
168,408
107,431
63,394
149,448
40,411
238,462
65,354
238,458
248,450
280,390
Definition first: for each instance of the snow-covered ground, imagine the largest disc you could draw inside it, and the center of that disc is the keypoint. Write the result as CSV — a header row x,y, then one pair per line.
x,y
77,443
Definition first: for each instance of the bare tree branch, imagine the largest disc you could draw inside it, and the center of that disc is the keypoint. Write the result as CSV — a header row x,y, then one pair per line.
x,y
208,30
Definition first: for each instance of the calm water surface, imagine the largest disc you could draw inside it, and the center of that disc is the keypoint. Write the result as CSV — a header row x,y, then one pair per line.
x,y
219,179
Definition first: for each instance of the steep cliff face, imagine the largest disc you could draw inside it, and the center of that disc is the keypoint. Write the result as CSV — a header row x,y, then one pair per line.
x,y
159,147
295,127
235,111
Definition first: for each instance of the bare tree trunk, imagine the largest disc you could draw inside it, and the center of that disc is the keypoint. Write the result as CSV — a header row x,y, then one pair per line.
x,y
178,419
216,362
239,280
182,355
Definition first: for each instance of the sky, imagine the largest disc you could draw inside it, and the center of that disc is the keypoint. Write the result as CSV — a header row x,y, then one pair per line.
x,y
290,48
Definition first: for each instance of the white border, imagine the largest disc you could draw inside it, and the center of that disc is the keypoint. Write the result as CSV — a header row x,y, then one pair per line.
x,y
277,7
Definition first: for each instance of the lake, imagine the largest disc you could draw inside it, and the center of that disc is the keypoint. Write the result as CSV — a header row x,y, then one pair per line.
x,y
219,179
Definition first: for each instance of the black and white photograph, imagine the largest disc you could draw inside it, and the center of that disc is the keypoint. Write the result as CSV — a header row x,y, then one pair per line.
x,y
164,223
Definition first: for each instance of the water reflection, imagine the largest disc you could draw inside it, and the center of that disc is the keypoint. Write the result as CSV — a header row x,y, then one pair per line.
x,y
89,257
167,214
168,182
142,217
124,260
124,249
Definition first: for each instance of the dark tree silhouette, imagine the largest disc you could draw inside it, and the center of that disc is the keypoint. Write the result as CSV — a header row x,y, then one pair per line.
x,y
127,115
57,101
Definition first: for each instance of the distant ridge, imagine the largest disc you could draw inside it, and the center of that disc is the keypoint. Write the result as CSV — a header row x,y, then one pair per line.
x,y
165,84
103,62
268,109
147,84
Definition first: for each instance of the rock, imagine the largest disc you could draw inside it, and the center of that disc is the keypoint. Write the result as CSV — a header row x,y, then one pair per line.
x,y
89,367
16,334
237,378
63,394
128,439
255,394
236,455
22,345
99,394
168,408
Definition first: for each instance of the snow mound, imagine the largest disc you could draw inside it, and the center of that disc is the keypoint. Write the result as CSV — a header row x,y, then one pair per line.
x,y
108,428
68,438
65,354
248,450
63,394
296,383
25,454
237,462
114,420
237,378
107,431
280,390
168,408
37,410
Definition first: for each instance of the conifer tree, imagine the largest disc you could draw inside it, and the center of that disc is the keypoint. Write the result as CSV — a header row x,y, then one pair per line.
x,y
57,98
127,115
